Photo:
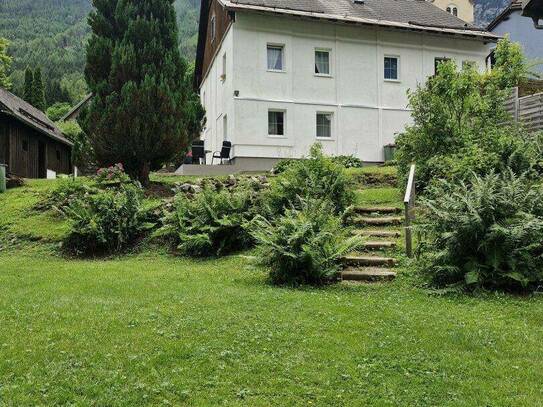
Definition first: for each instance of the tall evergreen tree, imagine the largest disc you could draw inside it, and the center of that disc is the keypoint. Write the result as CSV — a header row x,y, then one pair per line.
x,y
5,64
140,114
38,91
28,94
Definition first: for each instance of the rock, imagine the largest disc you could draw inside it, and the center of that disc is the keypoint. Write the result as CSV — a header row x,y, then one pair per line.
x,y
185,187
231,181
263,179
196,189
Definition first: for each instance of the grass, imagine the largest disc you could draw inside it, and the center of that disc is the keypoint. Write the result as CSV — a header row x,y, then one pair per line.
x,y
152,329
379,196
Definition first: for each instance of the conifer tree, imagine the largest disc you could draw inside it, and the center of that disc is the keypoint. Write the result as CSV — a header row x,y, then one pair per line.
x,y
28,94
5,64
38,91
139,115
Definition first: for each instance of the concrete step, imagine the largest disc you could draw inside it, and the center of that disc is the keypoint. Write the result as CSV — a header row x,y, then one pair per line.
x,y
377,209
368,274
368,261
379,245
379,233
379,221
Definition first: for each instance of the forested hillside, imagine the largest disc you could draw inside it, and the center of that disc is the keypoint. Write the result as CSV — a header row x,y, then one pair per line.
x,y
51,34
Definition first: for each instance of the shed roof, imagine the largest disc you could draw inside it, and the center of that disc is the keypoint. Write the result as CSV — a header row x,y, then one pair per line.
x,y
26,113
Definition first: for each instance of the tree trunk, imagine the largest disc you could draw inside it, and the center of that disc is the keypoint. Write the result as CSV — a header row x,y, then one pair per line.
x,y
144,172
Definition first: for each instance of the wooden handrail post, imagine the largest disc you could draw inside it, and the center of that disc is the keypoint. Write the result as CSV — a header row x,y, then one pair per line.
x,y
409,203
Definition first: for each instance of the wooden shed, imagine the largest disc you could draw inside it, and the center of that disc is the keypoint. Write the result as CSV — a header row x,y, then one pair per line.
x,y
30,143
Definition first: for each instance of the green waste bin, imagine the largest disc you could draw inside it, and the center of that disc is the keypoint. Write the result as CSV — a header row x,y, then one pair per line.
x,y
3,170
390,150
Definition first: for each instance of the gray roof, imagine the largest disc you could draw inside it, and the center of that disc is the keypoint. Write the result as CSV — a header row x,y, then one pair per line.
x,y
410,14
77,108
26,113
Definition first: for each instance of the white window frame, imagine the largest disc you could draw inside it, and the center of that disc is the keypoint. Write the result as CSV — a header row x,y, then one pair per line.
x,y
284,135
330,64
331,114
398,69
282,48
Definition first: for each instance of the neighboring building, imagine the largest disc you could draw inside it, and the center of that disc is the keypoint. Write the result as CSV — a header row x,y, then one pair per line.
x,y
522,30
277,76
534,10
463,9
77,109
30,144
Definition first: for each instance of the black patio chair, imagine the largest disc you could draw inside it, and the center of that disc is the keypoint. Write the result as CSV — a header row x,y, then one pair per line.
x,y
198,152
224,154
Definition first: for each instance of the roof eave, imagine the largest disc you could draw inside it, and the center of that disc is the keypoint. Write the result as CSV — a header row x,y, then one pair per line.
x,y
481,35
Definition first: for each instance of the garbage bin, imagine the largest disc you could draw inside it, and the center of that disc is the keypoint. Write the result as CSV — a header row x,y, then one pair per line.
x,y
3,171
390,149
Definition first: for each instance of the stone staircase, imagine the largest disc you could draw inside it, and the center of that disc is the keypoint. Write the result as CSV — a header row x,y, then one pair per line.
x,y
376,260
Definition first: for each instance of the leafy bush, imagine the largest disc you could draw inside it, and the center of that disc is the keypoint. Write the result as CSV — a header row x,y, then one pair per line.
x,y
66,192
107,222
82,153
304,246
317,177
58,110
488,234
283,165
113,175
348,161
211,223
461,125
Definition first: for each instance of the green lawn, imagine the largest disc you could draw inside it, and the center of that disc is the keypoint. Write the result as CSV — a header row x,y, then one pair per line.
x,y
152,329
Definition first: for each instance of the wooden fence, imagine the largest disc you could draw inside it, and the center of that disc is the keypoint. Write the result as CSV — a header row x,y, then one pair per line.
x,y
527,110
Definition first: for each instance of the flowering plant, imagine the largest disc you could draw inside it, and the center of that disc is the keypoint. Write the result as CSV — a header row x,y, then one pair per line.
x,y
111,175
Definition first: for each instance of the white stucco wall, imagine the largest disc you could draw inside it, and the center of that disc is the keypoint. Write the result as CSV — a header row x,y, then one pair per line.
x,y
367,110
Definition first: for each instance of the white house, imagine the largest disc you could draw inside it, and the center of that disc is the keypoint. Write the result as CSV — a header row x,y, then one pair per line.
x,y
275,76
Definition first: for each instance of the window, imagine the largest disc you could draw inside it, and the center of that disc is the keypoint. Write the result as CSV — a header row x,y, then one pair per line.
x,y
213,27
324,125
439,61
25,145
452,9
225,128
276,123
322,62
392,68
58,155
275,58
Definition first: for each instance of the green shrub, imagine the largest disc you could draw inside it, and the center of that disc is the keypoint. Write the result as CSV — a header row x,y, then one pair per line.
x,y
210,223
317,177
348,161
107,222
304,246
58,110
283,165
460,124
66,192
487,233
82,152
111,176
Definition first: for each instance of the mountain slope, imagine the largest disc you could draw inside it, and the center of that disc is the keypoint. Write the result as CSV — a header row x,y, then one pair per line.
x,y
51,34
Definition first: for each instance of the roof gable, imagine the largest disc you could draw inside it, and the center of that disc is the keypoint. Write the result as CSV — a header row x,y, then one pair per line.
x,y
29,115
